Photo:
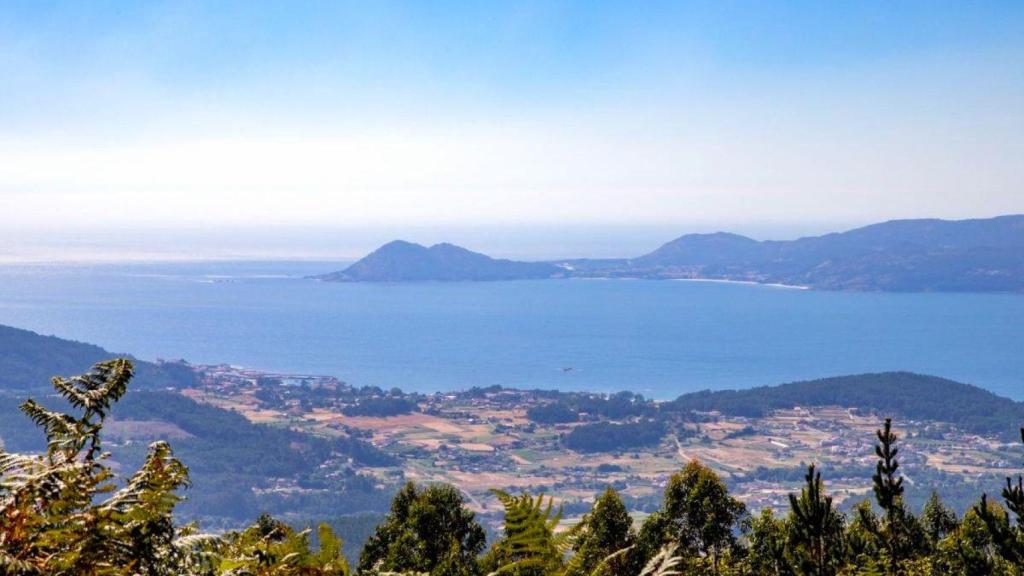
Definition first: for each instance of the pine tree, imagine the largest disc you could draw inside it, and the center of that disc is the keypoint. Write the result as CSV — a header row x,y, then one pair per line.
x,y
1007,537
1014,495
888,486
974,547
901,535
938,520
816,529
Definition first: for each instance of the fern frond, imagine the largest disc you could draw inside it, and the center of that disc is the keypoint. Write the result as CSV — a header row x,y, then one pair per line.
x,y
9,565
606,561
530,539
97,390
62,430
153,485
664,563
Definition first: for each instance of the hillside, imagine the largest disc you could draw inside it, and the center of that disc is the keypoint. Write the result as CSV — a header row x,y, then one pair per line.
x,y
401,261
901,255
238,467
900,394
28,360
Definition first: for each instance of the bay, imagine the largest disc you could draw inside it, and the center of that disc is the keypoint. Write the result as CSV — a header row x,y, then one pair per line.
x,y
659,338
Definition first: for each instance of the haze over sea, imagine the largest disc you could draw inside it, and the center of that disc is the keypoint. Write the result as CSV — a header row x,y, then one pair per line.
x,y
659,338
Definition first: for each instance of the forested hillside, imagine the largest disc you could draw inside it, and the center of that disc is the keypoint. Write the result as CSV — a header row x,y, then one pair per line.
x,y
902,394
239,469
28,360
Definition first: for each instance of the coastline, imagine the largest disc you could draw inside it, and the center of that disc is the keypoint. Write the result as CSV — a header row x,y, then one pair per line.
x,y
743,282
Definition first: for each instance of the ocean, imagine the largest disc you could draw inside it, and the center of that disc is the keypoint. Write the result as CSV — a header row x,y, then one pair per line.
x,y
658,338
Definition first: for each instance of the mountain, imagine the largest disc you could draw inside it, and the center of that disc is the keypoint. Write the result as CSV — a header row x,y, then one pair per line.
x,y
900,394
401,261
900,255
983,255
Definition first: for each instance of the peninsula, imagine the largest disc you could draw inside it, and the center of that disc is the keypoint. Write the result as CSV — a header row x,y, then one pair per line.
x,y
982,255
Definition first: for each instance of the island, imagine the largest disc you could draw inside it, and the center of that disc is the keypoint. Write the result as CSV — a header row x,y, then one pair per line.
x,y
401,261
923,255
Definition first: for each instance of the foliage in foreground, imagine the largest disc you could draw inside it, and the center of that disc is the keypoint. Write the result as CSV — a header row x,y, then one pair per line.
x,y
65,513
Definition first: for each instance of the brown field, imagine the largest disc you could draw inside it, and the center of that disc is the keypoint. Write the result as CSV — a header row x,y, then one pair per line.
x,y
478,457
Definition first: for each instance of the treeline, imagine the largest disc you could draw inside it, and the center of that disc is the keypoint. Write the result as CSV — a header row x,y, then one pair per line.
x,y
900,394
895,394
62,513
610,437
571,406
553,413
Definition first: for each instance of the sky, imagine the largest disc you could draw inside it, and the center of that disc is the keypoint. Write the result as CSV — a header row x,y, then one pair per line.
x,y
145,125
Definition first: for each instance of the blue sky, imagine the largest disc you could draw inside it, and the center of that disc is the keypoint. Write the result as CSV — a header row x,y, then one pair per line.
x,y
696,115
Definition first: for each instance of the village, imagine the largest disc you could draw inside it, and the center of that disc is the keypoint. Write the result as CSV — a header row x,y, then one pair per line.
x,y
482,439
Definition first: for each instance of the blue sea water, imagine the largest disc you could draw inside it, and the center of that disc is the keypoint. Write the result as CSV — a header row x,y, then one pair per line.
x,y
660,338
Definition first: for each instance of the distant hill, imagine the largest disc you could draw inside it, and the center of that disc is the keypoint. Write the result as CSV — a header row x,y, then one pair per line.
x,y
985,255
899,394
901,255
401,261
28,360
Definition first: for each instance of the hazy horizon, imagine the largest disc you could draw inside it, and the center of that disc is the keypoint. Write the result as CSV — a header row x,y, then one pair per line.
x,y
175,119
346,244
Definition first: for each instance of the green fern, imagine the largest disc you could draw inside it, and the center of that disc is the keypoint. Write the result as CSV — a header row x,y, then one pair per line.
x,y
531,543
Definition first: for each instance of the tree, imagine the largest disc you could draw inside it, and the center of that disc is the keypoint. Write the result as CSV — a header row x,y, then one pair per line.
x,y
427,530
973,548
698,514
1014,495
1007,537
888,486
901,536
766,545
937,519
816,529
604,537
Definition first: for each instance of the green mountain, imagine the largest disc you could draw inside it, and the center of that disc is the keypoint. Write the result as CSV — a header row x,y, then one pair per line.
x,y
904,395
401,261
